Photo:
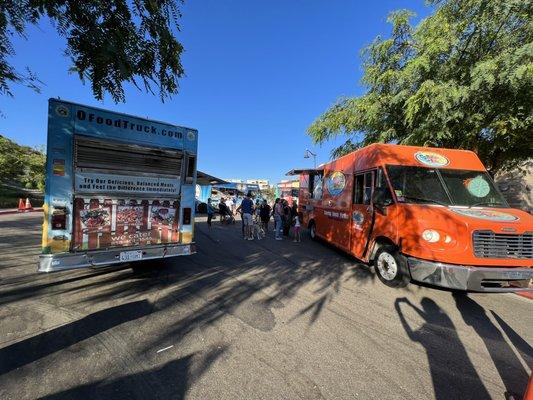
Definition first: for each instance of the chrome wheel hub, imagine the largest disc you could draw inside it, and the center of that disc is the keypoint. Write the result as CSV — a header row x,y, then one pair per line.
x,y
387,266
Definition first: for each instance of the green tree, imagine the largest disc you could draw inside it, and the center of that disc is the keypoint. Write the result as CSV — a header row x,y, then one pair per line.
x,y
11,160
109,42
21,165
33,172
461,78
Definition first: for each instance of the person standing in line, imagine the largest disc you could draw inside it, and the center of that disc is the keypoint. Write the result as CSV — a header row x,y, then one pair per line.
x,y
229,204
210,212
278,213
296,229
294,209
272,209
239,211
247,209
287,219
234,203
222,210
264,213
257,211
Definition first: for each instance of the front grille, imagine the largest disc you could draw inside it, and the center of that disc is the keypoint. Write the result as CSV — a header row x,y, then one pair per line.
x,y
488,244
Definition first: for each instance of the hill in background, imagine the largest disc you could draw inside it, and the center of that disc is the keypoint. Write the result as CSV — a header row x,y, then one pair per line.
x,y
21,173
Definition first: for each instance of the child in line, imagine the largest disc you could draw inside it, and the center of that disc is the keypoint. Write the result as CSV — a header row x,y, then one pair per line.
x,y
296,229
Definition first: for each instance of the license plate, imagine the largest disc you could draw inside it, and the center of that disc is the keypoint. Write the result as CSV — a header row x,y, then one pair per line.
x,y
131,255
517,275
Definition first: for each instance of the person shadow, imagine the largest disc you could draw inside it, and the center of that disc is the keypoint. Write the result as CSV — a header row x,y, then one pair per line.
x,y
512,372
452,373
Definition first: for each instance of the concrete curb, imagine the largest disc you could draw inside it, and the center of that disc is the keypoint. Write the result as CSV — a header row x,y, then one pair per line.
x,y
15,211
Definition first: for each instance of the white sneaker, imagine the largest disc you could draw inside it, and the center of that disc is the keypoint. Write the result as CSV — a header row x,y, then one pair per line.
x,y
278,238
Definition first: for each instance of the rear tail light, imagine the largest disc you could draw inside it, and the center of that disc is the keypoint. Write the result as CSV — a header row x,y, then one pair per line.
x,y
59,219
187,214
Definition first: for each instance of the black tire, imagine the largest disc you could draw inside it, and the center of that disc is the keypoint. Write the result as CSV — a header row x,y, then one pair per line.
x,y
391,267
144,266
312,230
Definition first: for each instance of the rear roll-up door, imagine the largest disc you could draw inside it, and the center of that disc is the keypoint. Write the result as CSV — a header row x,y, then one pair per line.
x,y
99,154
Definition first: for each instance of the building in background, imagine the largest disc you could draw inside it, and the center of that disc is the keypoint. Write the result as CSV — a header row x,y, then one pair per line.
x,y
263,184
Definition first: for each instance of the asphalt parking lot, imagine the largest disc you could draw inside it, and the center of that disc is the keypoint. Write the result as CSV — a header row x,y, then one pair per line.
x,y
248,320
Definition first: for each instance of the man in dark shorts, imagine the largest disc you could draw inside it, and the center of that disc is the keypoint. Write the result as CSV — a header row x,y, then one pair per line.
x,y
210,212
247,209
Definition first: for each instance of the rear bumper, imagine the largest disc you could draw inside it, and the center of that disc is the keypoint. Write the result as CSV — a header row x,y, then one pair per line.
x,y
63,261
475,279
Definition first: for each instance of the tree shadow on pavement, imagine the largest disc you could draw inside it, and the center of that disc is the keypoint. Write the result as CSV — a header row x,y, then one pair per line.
x,y
511,371
227,277
452,372
36,347
170,381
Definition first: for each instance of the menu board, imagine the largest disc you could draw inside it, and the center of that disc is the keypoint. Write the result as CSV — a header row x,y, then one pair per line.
x,y
130,215
161,215
105,223
92,220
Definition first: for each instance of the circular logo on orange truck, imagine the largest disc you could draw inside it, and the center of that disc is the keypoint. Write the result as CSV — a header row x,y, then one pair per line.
x,y
336,182
431,159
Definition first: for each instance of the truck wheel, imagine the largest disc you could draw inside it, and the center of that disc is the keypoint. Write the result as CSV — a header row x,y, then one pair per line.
x,y
312,230
141,267
391,267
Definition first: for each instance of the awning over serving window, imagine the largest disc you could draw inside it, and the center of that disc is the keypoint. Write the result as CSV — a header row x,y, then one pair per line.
x,y
205,179
305,171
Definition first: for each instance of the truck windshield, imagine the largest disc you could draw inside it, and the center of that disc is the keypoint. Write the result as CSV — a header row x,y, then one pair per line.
x,y
444,186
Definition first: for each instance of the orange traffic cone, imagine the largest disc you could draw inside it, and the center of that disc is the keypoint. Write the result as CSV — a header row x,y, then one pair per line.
x,y
22,205
25,206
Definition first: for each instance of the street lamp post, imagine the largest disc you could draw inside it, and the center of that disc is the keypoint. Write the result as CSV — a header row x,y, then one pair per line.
x,y
309,153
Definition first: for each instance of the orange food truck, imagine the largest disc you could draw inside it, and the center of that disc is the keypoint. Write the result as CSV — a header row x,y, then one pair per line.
x,y
427,215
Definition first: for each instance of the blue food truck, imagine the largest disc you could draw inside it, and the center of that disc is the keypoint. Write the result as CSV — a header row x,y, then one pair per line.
x,y
119,188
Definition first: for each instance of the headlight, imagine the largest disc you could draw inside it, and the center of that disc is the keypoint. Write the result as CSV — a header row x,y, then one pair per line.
x,y
430,235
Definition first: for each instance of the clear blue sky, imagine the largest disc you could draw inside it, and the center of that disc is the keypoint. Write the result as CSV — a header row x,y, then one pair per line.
x,y
258,73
